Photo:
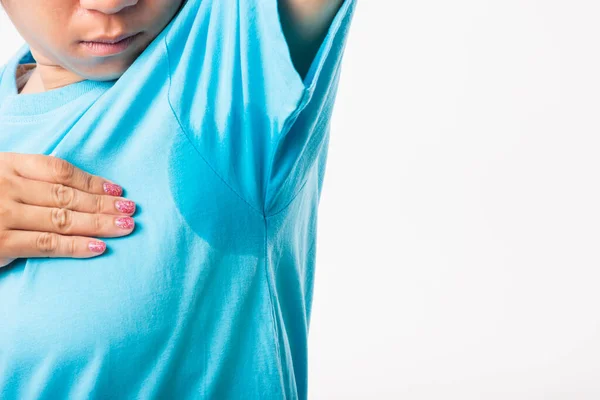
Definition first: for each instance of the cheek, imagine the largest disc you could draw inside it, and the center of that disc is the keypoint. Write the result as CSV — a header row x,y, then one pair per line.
x,y
38,22
48,36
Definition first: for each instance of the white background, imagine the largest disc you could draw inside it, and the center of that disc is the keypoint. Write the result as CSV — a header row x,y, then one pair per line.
x,y
459,230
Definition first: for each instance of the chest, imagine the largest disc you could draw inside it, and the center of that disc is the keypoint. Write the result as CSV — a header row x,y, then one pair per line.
x,y
192,234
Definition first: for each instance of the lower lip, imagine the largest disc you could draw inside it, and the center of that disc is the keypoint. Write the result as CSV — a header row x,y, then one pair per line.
x,y
107,49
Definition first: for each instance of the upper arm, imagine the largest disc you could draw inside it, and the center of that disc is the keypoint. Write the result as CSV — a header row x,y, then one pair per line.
x,y
305,25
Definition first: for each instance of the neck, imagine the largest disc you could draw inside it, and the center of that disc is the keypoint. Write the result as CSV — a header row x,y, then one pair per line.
x,y
47,77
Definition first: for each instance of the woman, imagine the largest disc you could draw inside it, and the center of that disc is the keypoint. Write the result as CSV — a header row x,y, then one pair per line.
x,y
214,118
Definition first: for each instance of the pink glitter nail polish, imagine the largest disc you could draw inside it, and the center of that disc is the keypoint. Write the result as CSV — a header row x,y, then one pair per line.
x,y
112,189
124,222
97,247
125,206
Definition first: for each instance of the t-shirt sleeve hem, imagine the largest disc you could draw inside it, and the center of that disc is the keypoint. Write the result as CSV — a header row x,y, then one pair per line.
x,y
291,76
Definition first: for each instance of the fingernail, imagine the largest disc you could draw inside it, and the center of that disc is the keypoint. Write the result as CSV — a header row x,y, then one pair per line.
x,y
97,247
124,222
112,189
125,206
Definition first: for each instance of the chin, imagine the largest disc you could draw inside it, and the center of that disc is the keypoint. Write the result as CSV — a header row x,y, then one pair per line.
x,y
106,72
101,68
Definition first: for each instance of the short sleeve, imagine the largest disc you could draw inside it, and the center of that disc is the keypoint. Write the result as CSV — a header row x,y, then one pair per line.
x,y
304,135
241,102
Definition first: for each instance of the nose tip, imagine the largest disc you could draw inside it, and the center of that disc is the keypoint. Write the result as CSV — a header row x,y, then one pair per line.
x,y
107,6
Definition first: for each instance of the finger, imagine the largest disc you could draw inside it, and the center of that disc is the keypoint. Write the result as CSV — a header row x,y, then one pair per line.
x,y
56,170
57,195
25,244
67,222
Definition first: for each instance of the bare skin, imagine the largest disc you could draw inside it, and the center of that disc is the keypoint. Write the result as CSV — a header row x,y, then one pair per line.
x,y
55,41
50,208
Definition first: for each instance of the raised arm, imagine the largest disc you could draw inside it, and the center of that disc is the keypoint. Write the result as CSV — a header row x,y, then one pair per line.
x,y
305,24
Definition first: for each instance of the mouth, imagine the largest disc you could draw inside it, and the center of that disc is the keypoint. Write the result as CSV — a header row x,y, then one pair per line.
x,y
111,40
104,46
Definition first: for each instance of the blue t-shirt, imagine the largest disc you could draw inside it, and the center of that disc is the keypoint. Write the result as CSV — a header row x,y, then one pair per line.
x,y
223,147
